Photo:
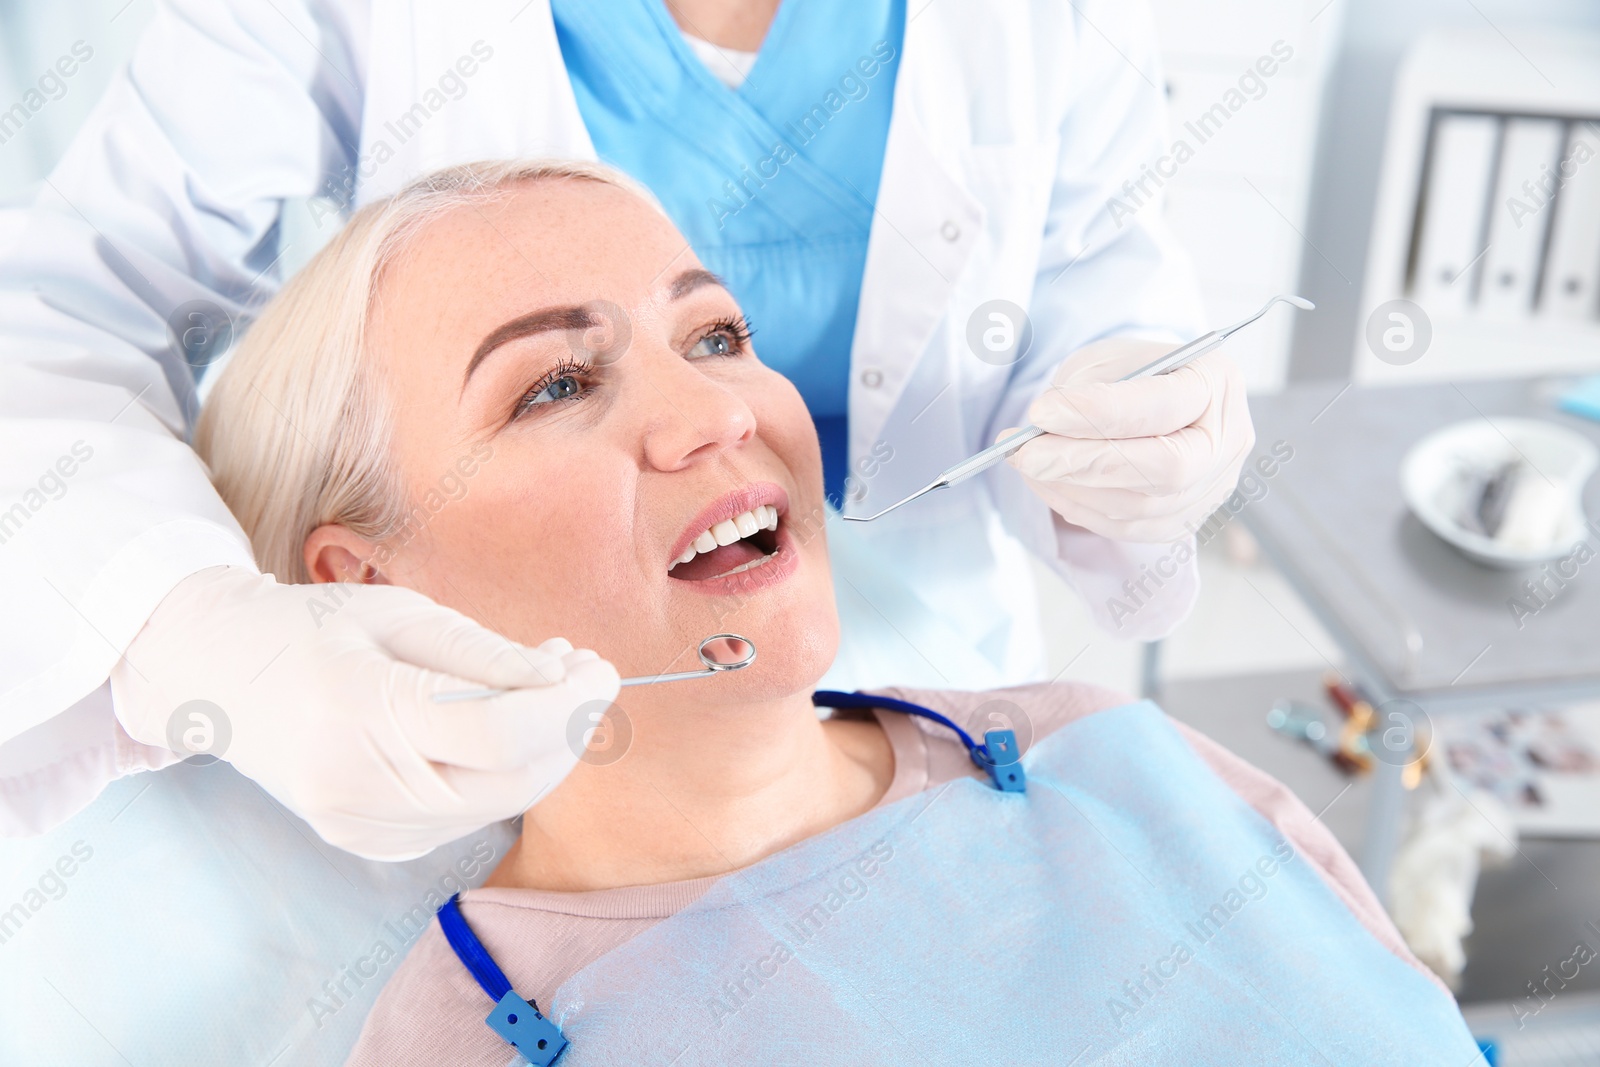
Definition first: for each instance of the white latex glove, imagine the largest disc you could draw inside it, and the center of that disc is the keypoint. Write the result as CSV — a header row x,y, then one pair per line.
x,y
1146,460
329,708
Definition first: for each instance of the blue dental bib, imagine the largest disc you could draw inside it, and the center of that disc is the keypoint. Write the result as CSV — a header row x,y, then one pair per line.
x,y
1128,908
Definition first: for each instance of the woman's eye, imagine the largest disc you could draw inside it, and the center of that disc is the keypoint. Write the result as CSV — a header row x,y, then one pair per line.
x,y
565,387
562,388
730,337
713,344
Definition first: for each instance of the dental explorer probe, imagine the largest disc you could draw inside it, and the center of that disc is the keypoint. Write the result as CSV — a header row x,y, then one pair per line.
x,y
1168,363
710,665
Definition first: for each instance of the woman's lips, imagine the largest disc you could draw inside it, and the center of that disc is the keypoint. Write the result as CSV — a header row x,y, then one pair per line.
x,y
709,573
751,497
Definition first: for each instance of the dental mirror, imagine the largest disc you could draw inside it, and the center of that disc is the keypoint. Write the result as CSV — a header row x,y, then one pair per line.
x,y
718,653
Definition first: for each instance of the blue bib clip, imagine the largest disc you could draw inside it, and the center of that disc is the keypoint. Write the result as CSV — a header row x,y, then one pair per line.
x,y
1003,761
532,1034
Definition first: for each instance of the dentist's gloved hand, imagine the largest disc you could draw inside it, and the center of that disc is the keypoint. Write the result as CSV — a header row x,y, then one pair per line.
x,y
324,693
1146,460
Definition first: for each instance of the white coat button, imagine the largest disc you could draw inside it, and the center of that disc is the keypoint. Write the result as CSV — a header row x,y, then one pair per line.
x,y
950,231
872,378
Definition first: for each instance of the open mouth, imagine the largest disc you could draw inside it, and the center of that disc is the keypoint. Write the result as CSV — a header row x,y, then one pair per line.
x,y
737,545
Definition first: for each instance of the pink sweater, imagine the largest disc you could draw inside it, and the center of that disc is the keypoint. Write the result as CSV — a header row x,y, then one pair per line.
x,y
432,1011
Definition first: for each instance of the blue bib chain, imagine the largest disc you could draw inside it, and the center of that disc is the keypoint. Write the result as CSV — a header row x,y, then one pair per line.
x,y
998,756
518,1021
521,1023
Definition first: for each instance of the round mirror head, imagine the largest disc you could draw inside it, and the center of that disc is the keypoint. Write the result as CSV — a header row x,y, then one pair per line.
x,y
727,652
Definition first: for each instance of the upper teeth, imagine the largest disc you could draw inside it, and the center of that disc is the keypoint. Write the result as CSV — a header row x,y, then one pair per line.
x,y
763,517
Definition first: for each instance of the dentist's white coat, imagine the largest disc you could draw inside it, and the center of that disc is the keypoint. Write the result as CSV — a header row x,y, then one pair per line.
x,y
1013,123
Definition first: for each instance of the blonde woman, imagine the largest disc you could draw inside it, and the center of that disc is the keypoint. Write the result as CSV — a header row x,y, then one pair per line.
x,y
941,215
733,879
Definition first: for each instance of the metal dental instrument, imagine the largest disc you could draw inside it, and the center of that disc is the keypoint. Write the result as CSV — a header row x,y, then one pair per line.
x,y
998,451
736,651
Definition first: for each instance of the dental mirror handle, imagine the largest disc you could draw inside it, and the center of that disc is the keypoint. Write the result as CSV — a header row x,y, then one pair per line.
x,y
711,666
651,679
648,679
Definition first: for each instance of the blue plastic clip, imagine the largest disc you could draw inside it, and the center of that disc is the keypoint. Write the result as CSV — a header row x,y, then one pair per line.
x,y
537,1038
1004,762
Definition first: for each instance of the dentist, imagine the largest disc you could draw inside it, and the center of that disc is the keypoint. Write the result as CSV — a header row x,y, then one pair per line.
x,y
912,206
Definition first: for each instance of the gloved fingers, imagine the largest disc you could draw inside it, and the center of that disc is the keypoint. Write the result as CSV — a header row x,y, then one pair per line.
x,y
1145,407
1156,465
1108,359
1168,531
1133,506
390,842
475,800
405,831
556,646
1129,514
414,806
575,656
1199,497
440,639
1162,529
490,796
517,728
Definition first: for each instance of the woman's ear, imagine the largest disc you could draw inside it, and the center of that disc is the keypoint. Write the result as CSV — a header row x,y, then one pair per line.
x,y
337,554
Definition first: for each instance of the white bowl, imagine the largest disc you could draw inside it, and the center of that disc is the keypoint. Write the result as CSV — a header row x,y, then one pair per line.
x,y
1434,481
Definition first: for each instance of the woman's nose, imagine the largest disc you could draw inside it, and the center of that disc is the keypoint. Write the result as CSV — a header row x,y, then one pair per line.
x,y
692,416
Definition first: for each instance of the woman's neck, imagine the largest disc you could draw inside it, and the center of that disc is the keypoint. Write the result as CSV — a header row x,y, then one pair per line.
x,y
699,791
739,24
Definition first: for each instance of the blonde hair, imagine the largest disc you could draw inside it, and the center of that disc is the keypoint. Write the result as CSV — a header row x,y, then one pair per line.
x,y
297,430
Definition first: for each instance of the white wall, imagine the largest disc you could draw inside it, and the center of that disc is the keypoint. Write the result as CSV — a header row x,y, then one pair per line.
x,y
1244,86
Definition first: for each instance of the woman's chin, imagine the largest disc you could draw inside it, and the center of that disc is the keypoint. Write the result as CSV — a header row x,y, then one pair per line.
x,y
790,659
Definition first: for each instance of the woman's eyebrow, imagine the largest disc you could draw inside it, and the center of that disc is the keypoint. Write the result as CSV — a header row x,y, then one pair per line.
x,y
573,317
693,279
545,320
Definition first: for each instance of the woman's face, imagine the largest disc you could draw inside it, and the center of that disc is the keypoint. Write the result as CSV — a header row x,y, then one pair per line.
x,y
565,347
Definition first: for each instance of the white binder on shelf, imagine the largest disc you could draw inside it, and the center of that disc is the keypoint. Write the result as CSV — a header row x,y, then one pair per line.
x,y
1519,215
1448,79
1456,201
1571,287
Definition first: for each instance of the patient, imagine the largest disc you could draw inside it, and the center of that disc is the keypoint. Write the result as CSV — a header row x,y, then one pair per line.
x,y
547,325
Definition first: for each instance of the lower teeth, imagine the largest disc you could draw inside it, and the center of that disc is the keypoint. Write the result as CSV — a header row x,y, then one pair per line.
x,y
741,568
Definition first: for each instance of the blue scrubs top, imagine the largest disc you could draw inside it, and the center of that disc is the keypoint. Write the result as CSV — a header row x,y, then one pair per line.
x,y
773,183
